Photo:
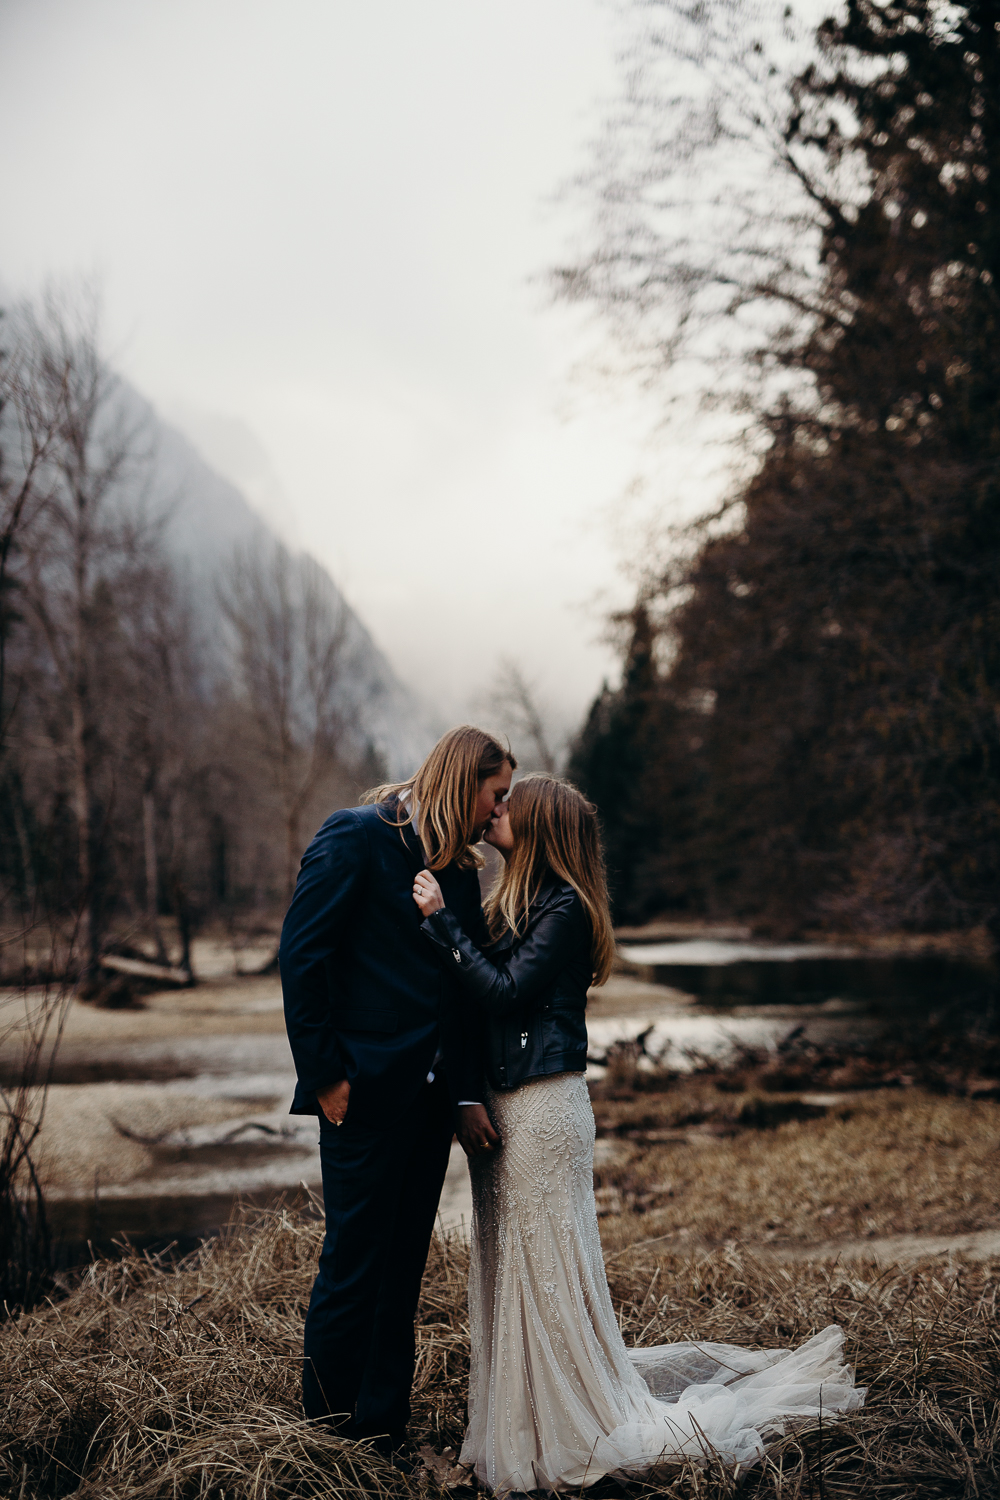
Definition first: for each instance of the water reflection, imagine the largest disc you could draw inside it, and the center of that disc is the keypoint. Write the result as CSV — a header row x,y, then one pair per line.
x,y
155,1222
725,975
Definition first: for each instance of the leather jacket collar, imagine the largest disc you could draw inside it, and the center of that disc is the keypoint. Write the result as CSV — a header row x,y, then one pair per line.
x,y
548,892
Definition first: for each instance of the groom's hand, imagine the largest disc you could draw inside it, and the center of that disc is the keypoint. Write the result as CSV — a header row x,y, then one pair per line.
x,y
333,1101
475,1130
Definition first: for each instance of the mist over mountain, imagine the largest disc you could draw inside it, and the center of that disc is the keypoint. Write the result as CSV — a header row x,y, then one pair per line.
x,y
206,519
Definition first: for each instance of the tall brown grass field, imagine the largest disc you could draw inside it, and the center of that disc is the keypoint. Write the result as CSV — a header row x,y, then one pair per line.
x,y
150,1381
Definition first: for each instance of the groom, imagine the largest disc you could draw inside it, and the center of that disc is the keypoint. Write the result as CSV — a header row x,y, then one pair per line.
x,y
375,1033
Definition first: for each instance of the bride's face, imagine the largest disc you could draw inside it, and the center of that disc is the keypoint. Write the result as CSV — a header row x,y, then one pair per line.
x,y
498,833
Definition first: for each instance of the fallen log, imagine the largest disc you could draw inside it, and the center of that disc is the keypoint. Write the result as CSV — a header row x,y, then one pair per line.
x,y
141,968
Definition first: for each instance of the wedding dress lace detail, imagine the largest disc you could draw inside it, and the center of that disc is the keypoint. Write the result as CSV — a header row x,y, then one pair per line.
x,y
555,1398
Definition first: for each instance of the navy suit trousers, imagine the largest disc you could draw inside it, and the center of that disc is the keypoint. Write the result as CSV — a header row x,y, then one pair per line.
x,y
381,1188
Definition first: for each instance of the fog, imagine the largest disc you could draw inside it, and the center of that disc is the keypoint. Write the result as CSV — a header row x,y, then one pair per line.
x,y
321,231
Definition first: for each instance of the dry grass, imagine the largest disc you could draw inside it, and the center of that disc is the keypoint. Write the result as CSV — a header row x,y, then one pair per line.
x,y
890,1162
150,1382
923,1341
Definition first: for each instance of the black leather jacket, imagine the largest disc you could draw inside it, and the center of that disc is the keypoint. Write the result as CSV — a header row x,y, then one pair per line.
x,y
532,993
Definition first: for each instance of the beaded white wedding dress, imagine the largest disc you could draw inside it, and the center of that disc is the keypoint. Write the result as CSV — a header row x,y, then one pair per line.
x,y
556,1400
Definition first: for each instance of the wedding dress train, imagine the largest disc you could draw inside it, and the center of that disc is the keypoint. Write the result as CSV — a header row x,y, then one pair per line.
x,y
556,1400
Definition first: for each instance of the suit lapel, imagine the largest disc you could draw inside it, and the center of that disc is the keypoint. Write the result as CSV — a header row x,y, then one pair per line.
x,y
404,839
414,850
416,859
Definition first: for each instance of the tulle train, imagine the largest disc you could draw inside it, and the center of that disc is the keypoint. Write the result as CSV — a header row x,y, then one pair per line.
x,y
556,1400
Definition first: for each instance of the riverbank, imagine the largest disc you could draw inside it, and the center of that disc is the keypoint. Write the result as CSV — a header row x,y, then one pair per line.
x,y
159,1118
151,1381
681,1170
191,1092
971,943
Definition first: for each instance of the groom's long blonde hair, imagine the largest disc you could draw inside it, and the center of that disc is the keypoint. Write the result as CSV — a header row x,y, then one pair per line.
x,y
555,831
444,791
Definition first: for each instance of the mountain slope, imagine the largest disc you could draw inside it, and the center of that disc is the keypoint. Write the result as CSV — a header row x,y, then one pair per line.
x,y
207,519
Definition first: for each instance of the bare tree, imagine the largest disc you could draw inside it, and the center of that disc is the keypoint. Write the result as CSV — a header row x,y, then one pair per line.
x,y
82,535
27,432
29,424
161,663
34,407
31,1026
290,642
513,701
705,211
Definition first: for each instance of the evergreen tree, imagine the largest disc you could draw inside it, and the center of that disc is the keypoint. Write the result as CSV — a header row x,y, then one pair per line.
x,y
848,629
633,757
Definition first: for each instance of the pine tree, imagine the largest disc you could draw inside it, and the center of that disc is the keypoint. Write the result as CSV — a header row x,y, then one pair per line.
x,y
849,628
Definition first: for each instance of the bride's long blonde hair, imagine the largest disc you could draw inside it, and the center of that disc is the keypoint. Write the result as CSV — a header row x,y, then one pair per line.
x,y
555,831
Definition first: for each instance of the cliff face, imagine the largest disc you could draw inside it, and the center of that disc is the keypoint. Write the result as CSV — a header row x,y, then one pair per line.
x,y
206,519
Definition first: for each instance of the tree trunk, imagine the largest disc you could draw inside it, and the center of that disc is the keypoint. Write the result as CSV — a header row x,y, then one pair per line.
x,y
24,845
183,913
152,875
291,851
82,811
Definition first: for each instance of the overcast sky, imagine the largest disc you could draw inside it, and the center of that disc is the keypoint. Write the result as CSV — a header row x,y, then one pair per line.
x,y
315,223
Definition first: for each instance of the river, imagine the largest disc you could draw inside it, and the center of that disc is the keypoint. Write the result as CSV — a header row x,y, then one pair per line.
x,y
160,1119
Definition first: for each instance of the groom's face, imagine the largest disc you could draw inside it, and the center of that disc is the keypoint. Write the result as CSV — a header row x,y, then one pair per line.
x,y
492,791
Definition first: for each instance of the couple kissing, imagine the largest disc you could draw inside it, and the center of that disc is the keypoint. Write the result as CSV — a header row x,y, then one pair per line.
x,y
413,1014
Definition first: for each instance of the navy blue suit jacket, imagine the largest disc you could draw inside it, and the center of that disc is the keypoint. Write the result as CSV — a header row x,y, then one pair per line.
x,y
365,997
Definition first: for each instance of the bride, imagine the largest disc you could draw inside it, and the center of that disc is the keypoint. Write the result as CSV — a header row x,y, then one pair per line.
x,y
556,1400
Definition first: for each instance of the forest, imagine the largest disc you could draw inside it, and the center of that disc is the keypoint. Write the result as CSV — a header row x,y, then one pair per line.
x,y
805,735
806,732
168,741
